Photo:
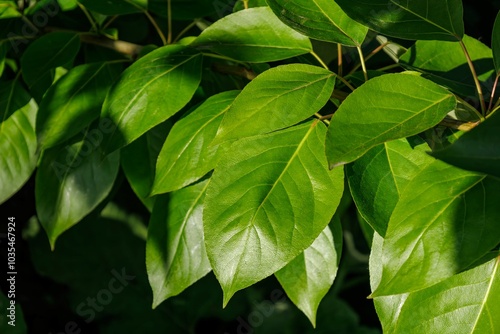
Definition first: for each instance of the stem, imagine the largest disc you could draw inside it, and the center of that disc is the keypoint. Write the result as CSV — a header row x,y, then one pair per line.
x,y
322,118
234,70
89,17
478,114
169,22
339,59
319,60
28,22
155,25
474,75
185,30
213,55
493,92
373,53
111,20
346,83
388,67
119,46
362,60
245,4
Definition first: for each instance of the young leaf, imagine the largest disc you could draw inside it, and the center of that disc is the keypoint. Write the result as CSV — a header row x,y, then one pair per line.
x,y
445,220
420,19
495,43
187,154
12,98
465,303
387,107
73,102
268,200
308,277
70,183
18,146
379,177
149,92
476,150
8,9
288,93
175,250
253,35
115,7
320,19
444,63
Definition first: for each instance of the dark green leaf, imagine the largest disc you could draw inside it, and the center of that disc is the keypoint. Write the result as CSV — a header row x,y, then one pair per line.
x,y
115,7
495,43
149,92
18,156
387,107
477,150
187,154
74,102
253,35
189,9
4,48
268,200
288,93
175,250
12,98
320,19
419,19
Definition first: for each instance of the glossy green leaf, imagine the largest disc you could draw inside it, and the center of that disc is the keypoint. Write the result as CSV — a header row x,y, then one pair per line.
x,y
276,99
70,182
378,178
445,220
477,150
444,63
387,107
150,91
465,303
417,19
138,161
45,54
73,102
268,200
253,35
175,251
12,98
187,154
308,277
18,156
495,43
320,19
115,7
8,9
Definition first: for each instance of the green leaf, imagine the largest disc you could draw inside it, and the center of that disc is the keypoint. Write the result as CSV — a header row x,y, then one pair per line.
x,y
187,154
150,91
445,220
320,19
253,35
8,9
45,54
268,200
444,63
175,250
4,48
138,161
308,277
73,102
115,7
387,107
70,182
495,43
465,303
12,98
276,99
476,150
188,9
378,178
18,146
420,19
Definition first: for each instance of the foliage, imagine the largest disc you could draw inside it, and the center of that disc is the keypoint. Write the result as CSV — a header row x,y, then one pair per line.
x,y
259,136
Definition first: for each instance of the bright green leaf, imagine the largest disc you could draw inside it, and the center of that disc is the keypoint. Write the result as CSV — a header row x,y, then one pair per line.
x,y
12,98
70,182
175,250
477,150
253,35
8,9
18,156
445,220
387,107
74,102
320,19
495,43
150,91
288,93
187,154
115,7
378,178
308,277
416,19
268,200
